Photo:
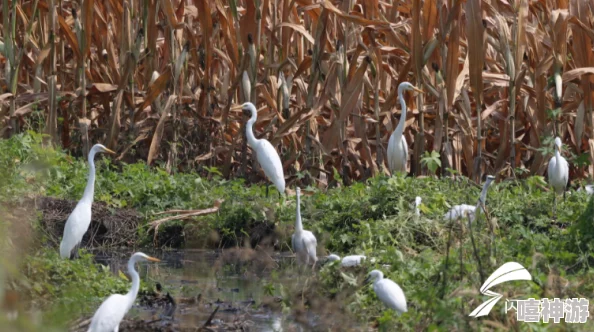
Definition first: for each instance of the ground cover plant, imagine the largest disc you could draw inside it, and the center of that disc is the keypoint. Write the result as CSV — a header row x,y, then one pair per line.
x,y
434,261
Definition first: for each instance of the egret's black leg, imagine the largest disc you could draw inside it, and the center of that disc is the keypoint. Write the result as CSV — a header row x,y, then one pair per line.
x,y
74,252
564,196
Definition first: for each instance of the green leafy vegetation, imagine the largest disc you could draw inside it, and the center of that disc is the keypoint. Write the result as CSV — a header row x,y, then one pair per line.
x,y
431,160
433,261
72,287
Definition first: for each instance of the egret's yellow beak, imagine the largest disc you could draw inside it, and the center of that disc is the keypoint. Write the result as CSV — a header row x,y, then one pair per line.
x,y
237,107
417,90
153,259
109,151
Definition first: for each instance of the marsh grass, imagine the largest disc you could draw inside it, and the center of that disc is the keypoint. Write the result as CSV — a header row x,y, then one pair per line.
x,y
374,217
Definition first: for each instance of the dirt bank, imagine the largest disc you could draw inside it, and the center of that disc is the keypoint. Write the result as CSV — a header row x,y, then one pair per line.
x,y
115,228
109,227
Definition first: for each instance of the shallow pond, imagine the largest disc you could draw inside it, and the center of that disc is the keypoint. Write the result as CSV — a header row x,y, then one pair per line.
x,y
245,284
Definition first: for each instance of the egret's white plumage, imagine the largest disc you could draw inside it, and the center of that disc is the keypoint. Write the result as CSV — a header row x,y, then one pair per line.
x,y
304,242
589,189
558,172
418,201
266,155
79,220
397,146
468,211
388,291
460,211
348,261
111,312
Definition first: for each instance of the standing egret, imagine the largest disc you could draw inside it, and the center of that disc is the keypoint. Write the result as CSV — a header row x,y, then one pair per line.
x,y
387,291
397,146
418,201
267,156
79,220
558,173
463,210
348,261
304,242
111,312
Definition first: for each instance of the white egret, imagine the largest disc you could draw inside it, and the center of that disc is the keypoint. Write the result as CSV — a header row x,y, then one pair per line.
x,y
111,312
267,156
348,261
304,242
418,201
460,211
464,210
79,220
397,146
387,291
558,173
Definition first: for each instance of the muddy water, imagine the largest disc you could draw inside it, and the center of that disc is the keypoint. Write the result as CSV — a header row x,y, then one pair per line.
x,y
201,280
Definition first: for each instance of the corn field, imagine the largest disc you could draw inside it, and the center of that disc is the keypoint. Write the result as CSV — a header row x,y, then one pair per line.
x,y
156,80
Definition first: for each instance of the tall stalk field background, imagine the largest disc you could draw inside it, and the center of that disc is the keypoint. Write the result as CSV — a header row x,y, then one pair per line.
x,y
155,81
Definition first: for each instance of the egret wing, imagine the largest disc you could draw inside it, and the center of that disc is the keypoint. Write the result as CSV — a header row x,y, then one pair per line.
x,y
392,153
405,155
81,219
460,211
296,243
551,168
110,314
271,164
390,294
310,243
564,172
352,260
397,154
76,226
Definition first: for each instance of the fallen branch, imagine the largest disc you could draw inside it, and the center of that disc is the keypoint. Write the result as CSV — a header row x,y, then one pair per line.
x,y
209,320
185,214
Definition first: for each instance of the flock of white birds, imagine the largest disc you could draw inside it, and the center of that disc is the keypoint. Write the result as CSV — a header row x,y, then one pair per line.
x,y
111,312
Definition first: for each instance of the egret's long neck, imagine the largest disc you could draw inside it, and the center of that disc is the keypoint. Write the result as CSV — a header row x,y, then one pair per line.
x,y
298,224
483,197
249,128
400,128
90,188
557,156
131,296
